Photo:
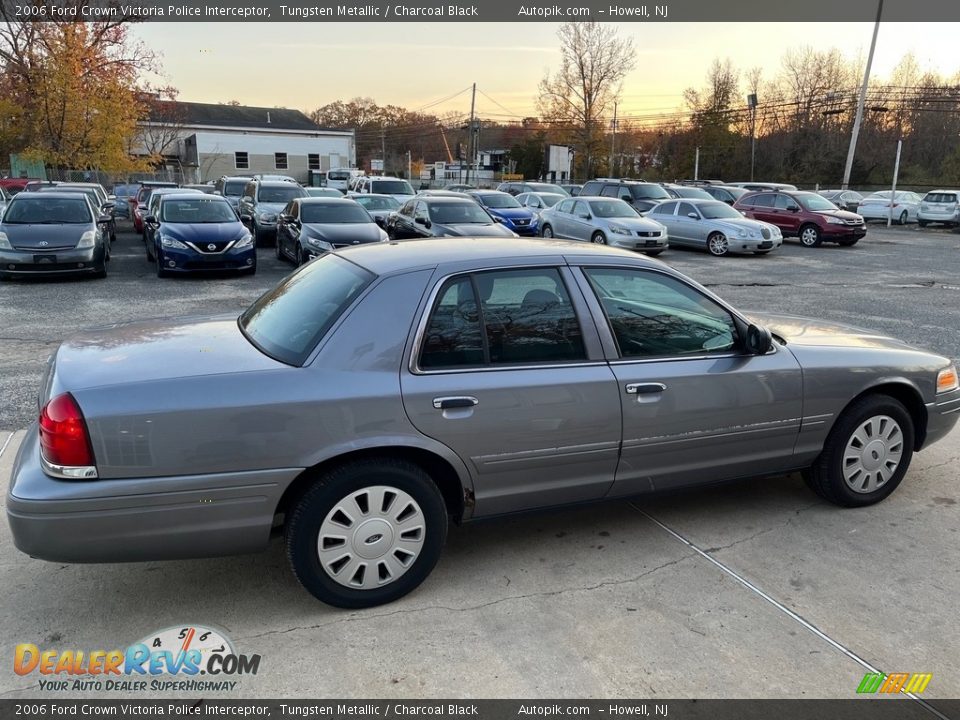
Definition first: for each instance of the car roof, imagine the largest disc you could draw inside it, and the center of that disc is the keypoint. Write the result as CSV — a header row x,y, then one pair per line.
x,y
446,199
343,200
695,201
276,183
404,255
170,191
52,195
367,195
189,193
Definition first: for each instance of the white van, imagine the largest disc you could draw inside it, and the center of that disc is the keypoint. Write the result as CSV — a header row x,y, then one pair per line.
x,y
340,178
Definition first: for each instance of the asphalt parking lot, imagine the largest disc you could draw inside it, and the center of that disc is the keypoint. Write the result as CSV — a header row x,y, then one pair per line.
x,y
752,589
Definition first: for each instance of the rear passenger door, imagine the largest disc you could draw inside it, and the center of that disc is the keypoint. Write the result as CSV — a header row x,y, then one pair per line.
x,y
507,371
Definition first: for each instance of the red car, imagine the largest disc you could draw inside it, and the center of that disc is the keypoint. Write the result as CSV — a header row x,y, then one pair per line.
x,y
15,185
138,202
805,215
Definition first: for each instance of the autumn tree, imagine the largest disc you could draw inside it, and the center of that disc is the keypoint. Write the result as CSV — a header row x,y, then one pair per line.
x,y
75,87
594,60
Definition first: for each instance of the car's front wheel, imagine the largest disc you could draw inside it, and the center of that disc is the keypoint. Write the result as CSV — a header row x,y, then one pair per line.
x,y
367,533
866,454
810,236
598,238
547,231
718,245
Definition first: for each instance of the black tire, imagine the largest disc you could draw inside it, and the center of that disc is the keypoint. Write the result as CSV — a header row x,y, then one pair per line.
x,y
146,249
848,243
101,270
922,223
761,252
718,245
161,273
653,253
904,217
546,231
302,257
598,238
810,235
306,519
826,476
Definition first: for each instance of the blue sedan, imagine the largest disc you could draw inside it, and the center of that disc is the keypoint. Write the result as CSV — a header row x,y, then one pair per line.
x,y
506,210
199,233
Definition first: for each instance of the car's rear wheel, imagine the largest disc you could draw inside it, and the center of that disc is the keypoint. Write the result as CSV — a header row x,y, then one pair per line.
x,y
866,454
547,231
717,244
922,223
598,238
904,216
367,533
810,236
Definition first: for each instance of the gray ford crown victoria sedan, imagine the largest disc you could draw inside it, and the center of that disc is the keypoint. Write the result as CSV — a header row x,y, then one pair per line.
x,y
381,390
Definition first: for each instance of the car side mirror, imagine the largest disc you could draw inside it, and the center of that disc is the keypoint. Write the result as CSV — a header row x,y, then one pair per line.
x,y
108,206
759,340
104,219
693,216
584,216
152,219
793,208
379,220
498,220
111,198
422,221
246,219
217,192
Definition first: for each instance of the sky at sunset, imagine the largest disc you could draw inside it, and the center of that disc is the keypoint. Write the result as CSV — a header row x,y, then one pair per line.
x,y
415,64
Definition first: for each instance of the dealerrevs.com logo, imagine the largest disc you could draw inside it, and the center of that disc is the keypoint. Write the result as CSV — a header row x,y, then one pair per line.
x,y
170,659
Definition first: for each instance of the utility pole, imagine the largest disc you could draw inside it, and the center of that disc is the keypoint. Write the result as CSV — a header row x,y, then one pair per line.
x,y
893,193
409,167
613,138
383,151
752,104
470,153
696,164
863,96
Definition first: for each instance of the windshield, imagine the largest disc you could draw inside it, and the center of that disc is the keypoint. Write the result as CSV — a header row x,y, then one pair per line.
x,y
391,187
89,192
547,188
718,210
691,192
288,321
200,210
279,194
341,212
458,213
815,202
323,192
649,192
612,209
338,175
34,209
550,199
935,197
378,203
499,201
234,189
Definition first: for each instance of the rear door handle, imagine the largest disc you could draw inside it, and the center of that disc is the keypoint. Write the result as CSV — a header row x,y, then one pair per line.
x,y
645,388
458,401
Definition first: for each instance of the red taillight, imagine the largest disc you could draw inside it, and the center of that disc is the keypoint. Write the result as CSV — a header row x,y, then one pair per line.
x,y
63,433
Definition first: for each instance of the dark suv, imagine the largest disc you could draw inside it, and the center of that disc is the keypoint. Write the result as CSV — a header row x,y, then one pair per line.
x,y
641,195
805,215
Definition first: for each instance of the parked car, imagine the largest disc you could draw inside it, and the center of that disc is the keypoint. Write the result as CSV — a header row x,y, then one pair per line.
x,y
15,185
642,196
505,208
379,206
123,192
843,199
53,233
537,201
686,191
442,193
262,202
310,227
207,188
459,187
153,209
375,184
724,193
603,221
326,192
765,186
98,199
198,232
572,190
232,188
138,205
805,215
4,200
877,206
940,206
273,177
436,216
715,227
515,188
382,391
342,178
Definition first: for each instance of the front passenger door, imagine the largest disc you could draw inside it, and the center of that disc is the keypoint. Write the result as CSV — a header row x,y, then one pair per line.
x,y
697,408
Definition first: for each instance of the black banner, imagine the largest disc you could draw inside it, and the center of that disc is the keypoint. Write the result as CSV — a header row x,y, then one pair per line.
x,y
648,11
892,708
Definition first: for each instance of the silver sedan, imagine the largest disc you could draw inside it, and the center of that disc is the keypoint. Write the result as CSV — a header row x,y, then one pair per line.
x,y
381,391
716,227
603,221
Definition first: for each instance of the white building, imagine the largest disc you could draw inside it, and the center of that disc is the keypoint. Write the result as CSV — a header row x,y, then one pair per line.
x,y
204,141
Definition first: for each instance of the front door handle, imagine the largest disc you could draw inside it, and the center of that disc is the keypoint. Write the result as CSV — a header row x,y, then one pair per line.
x,y
645,388
459,401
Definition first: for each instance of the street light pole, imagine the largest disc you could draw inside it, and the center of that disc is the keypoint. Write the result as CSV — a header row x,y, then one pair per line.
x,y
752,104
863,96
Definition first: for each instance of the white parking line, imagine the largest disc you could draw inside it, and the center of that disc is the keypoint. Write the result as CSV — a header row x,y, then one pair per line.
x,y
782,608
5,443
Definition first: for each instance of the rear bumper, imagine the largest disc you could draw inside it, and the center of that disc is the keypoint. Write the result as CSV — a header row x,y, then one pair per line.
x,y
939,217
139,519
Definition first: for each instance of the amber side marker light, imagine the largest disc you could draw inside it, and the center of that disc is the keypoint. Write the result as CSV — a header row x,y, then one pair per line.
x,y
947,379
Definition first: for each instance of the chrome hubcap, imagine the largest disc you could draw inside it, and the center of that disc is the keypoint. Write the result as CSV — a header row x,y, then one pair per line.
x,y
872,454
547,233
371,537
809,236
598,239
718,244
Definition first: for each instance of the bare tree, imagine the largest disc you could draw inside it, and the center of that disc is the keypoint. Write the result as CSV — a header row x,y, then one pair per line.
x,y
594,60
